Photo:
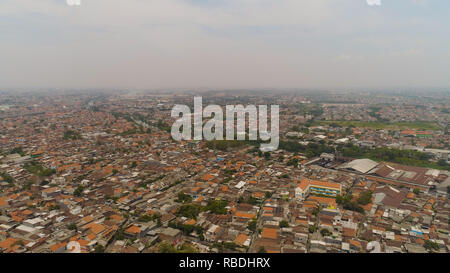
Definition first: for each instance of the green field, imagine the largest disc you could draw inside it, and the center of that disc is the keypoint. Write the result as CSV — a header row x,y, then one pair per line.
x,y
418,125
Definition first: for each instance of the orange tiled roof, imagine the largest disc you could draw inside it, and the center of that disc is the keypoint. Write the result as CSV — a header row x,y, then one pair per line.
x,y
7,243
3,201
57,246
258,195
95,228
322,200
240,239
207,177
303,183
241,214
116,217
270,233
133,229
325,184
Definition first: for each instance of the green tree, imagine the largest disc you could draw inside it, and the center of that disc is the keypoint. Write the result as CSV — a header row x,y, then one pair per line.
x,y
252,200
73,135
442,162
72,226
430,245
262,249
165,247
189,211
216,206
284,224
293,162
78,191
325,232
365,198
252,225
183,198
7,178
145,218
99,249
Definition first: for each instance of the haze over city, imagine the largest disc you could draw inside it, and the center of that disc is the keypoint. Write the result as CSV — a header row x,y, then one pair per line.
x,y
224,44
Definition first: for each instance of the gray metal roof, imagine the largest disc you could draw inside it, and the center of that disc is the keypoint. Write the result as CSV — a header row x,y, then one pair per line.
x,y
359,165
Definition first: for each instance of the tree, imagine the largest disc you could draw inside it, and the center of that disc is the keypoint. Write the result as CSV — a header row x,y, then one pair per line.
x,y
119,234
216,206
442,162
346,202
416,191
165,247
293,162
186,229
365,198
325,232
284,224
72,226
316,211
145,218
37,169
241,199
230,245
430,245
262,250
99,249
78,191
189,211
7,178
252,200
133,165
252,225
187,248
70,134
183,198
17,150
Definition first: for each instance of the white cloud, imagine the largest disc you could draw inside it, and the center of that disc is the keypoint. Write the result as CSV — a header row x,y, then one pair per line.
x,y
374,2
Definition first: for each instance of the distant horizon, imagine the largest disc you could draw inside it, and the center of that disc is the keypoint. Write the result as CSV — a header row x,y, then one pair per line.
x,y
233,89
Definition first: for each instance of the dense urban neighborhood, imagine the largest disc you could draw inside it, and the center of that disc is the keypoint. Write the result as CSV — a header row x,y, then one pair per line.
x,y
99,171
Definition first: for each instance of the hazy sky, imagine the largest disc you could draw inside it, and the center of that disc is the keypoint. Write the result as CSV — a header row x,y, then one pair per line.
x,y
224,43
